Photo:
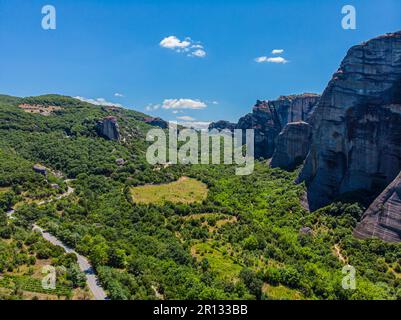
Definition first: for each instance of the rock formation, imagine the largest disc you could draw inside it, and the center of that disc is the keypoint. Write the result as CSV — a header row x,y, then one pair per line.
x,y
157,122
268,118
292,145
295,107
108,128
357,124
222,125
40,169
383,218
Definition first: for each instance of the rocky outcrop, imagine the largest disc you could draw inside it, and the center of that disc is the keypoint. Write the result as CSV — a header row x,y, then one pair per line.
x,y
292,146
357,125
157,122
267,125
295,108
40,169
383,218
222,125
108,128
268,119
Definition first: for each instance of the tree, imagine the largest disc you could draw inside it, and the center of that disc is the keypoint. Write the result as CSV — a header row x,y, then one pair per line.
x,y
252,282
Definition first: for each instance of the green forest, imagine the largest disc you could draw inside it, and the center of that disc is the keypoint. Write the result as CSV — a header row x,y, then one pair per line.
x,y
242,237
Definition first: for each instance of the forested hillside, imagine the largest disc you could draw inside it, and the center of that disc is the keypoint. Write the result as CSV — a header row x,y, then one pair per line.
x,y
240,238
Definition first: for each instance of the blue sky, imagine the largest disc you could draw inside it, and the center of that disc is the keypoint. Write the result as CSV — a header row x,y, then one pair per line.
x,y
101,48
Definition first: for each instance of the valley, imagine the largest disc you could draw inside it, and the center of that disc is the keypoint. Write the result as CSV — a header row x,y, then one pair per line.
x,y
113,225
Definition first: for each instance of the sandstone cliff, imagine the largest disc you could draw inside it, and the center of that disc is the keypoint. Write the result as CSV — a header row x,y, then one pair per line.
x,y
268,119
357,124
383,218
108,128
292,145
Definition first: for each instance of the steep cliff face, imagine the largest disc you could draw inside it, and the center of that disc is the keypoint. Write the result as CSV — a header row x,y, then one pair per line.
x,y
292,145
295,108
357,124
268,119
267,125
108,128
383,218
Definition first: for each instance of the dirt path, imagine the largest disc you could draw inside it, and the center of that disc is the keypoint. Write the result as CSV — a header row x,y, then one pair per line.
x,y
339,255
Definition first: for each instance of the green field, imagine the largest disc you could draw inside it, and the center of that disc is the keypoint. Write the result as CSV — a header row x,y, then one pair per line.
x,y
185,190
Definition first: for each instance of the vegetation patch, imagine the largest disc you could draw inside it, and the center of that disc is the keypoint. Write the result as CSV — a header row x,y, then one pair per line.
x,y
4,190
280,293
185,190
213,221
216,259
30,284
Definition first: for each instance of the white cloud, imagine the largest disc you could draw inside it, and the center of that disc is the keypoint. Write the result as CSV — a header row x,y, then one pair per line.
x,y
192,48
199,53
278,51
119,95
186,118
183,104
99,102
271,60
172,42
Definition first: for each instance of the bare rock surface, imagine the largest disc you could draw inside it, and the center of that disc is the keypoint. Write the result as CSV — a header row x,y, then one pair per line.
x,y
108,128
357,125
268,118
292,146
383,218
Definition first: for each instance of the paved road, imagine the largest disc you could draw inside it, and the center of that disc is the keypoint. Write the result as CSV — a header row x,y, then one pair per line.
x,y
69,191
84,265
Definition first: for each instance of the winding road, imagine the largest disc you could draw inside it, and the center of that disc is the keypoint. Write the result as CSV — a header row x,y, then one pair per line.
x,y
83,263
